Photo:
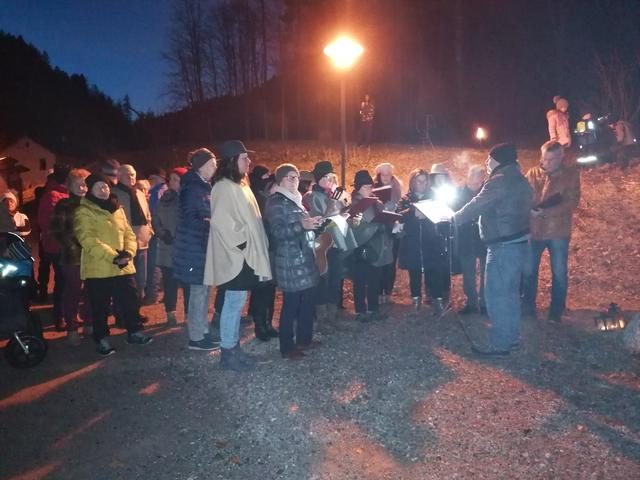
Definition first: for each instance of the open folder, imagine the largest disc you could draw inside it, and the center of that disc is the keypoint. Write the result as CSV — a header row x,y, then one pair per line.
x,y
434,210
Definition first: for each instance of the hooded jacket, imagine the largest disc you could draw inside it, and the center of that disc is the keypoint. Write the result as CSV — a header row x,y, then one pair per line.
x,y
100,234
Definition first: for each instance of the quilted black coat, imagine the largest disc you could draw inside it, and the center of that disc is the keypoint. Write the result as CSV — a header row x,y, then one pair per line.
x,y
290,245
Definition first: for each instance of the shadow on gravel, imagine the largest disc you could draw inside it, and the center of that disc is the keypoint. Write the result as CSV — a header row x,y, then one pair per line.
x,y
586,368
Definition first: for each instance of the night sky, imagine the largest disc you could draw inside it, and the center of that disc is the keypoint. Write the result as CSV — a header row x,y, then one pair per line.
x,y
116,44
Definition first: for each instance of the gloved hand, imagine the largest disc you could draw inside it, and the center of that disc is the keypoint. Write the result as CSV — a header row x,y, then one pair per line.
x,y
122,259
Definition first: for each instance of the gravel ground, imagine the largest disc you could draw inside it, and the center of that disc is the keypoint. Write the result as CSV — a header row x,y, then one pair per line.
x,y
398,398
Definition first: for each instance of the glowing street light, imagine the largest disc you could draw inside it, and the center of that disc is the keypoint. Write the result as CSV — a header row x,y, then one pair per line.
x,y
481,135
343,52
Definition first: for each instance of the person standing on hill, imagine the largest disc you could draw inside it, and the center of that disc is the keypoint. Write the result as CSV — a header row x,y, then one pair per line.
x,y
558,122
556,194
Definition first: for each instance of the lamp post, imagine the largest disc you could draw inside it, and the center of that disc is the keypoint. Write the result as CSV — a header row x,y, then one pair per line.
x,y
481,136
343,52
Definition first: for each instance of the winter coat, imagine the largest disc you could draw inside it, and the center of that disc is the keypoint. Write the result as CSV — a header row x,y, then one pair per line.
x,y
503,205
558,123
100,234
143,232
318,203
421,246
54,192
375,244
554,221
237,238
164,224
62,230
291,246
467,236
6,220
192,229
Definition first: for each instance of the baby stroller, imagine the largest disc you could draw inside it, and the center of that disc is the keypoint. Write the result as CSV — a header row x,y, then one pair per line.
x,y
26,347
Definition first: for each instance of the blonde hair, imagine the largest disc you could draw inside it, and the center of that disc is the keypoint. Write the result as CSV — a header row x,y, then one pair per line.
x,y
385,165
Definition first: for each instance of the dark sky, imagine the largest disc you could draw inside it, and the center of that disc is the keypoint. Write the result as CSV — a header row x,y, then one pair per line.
x,y
116,44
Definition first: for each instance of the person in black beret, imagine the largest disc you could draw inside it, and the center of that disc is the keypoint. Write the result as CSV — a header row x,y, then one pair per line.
x,y
503,206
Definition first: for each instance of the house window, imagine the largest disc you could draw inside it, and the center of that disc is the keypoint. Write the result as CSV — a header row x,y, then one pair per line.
x,y
43,164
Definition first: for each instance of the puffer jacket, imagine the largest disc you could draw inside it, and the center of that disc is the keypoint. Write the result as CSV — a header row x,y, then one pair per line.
x,y
503,205
375,243
164,224
100,234
290,245
192,229
62,230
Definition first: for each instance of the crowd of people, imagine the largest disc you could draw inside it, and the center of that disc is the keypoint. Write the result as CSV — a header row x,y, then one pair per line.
x,y
219,222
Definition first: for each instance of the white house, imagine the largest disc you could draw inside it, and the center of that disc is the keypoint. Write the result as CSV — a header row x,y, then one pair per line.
x,y
33,156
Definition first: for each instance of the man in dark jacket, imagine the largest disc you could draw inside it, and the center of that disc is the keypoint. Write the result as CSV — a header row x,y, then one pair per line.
x,y
503,206
190,246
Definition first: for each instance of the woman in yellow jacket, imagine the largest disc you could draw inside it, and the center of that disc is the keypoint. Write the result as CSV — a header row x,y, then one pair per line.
x,y
108,247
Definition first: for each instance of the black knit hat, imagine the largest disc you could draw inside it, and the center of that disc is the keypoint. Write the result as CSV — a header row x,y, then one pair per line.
x,y
199,157
362,178
321,169
94,178
504,153
231,148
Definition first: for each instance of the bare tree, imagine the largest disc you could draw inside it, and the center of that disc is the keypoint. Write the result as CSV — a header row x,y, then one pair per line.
x,y
619,90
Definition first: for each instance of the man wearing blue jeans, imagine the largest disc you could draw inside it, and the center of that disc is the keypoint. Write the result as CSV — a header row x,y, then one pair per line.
x,y
503,205
556,194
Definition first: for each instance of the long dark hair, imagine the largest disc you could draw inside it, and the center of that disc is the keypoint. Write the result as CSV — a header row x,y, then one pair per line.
x,y
415,174
228,168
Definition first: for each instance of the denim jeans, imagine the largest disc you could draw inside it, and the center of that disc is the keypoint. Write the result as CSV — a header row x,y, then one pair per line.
x,y
469,267
140,262
505,265
234,300
559,254
198,319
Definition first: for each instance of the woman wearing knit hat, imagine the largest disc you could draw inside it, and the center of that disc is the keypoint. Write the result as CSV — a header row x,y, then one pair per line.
x,y
324,200
558,122
23,227
164,223
374,251
106,262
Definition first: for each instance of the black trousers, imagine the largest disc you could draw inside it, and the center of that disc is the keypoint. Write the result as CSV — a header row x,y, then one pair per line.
x,y
298,309
170,286
44,267
125,297
436,279
58,287
366,286
329,290
389,272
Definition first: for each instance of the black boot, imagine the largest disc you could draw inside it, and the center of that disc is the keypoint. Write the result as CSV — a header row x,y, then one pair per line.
x,y
261,328
272,332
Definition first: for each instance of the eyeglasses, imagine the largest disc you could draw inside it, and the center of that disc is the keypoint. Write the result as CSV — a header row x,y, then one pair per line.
x,y
292,178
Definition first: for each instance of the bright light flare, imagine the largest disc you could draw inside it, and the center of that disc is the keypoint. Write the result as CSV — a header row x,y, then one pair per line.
x,y
343,52
587,159
446,194
481,134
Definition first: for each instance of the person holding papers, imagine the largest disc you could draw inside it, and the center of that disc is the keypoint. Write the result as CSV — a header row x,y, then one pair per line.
x,y
375,247
419,251
503,205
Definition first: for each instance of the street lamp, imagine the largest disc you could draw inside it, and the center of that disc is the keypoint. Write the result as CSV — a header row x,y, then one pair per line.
x,y
343,52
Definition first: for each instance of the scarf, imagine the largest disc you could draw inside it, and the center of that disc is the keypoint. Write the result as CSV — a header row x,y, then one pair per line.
x,y
137,214
294,197
110,205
